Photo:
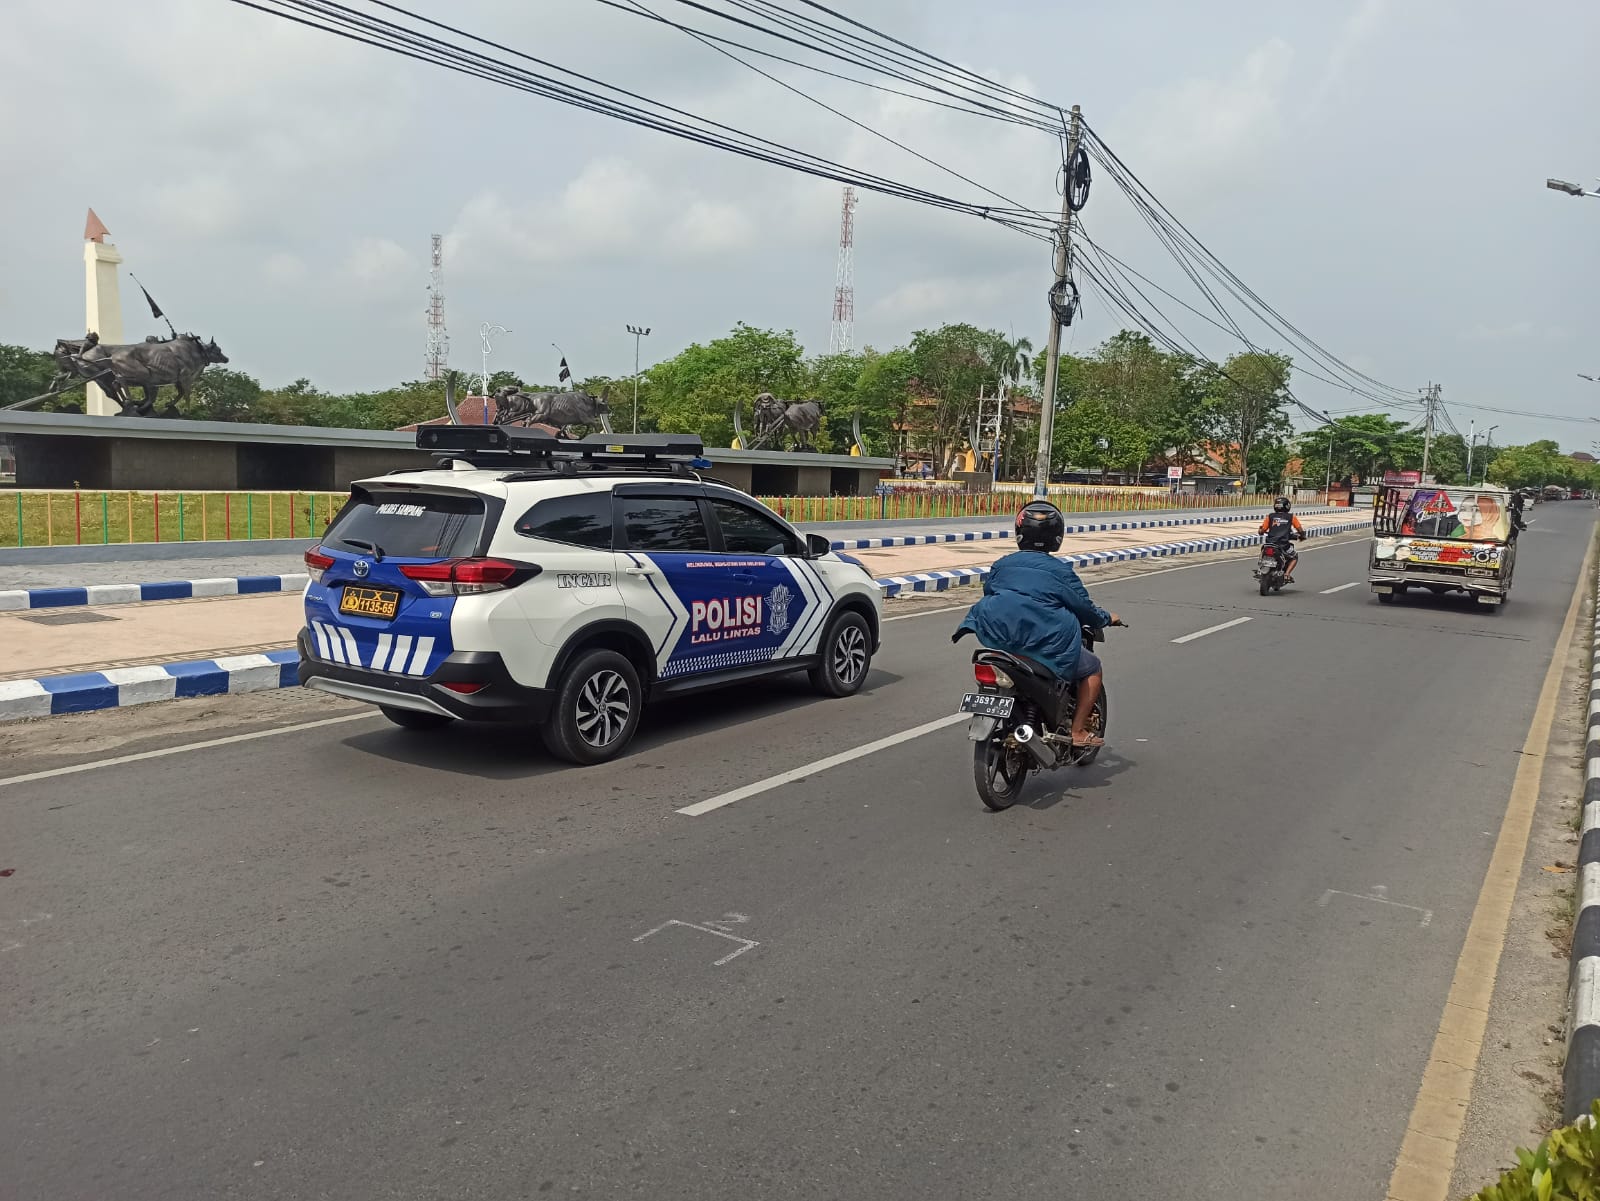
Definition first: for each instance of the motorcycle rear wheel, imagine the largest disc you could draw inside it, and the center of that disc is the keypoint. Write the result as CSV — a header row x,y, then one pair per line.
x,y
1266,584
998,773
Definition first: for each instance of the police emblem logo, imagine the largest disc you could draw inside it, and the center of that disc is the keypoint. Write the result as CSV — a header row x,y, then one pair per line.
x,y
778,609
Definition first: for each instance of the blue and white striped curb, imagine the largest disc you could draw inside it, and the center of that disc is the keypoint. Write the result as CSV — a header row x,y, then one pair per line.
x,y
1582,1075
1093,528
125,594
939,581
117,687
122,594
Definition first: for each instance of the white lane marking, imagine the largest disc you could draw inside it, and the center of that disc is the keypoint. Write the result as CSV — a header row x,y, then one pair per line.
x,y
1227,625
1340,588
700,808
118,760
745,944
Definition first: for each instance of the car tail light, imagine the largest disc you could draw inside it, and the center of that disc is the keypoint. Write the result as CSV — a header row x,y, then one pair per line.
x,y
990,676
317,563
464,688
467,577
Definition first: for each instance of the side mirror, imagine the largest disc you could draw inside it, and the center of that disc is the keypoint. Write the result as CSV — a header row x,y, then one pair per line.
x,y
818,545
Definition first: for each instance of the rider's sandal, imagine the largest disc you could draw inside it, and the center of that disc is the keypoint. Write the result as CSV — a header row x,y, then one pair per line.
x,y
1089,742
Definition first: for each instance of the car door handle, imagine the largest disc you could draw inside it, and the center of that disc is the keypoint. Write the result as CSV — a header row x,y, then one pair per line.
x,y
743,578
638,571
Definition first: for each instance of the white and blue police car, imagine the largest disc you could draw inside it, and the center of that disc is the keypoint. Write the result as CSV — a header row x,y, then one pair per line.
x,y
561,584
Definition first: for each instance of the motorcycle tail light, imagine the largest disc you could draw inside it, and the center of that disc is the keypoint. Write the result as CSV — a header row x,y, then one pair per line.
x,y
990,676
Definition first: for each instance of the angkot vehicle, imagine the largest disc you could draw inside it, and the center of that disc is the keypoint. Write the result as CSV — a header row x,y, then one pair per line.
x,y
560,584
1443,539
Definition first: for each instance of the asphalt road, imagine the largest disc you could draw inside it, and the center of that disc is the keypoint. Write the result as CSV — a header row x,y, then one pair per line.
x,y
351,962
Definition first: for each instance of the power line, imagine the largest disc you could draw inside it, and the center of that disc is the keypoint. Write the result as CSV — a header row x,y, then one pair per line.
x,y
622,104
1184,246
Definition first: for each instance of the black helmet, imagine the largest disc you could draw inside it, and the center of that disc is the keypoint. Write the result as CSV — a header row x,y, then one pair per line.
x,y
1281,505
1039,527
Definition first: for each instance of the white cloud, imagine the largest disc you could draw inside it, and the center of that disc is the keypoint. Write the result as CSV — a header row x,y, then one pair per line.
x,y
1516,331
613,211
380,265
1358,28
1204,128
283,268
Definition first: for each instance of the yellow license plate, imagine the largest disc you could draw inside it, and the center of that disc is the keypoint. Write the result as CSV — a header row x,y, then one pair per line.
x,y
370,602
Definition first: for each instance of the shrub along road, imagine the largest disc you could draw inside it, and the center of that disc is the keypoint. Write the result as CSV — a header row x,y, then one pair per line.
x,y
348,961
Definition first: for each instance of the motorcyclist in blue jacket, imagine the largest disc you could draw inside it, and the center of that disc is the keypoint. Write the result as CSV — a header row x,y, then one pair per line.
x,y
1034,605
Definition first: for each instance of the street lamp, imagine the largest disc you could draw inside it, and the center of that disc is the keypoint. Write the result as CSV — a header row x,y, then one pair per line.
x,y
637,332
1571,189
1488,454
486,333
1590,378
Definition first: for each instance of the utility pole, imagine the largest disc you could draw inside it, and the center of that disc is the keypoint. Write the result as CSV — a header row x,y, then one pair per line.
x,y
1327,484
1427,435
638,331
1472,442
1063,264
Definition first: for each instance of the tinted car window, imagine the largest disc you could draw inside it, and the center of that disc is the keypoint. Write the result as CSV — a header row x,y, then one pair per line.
x,y
663,523
408,525
747,532
583,520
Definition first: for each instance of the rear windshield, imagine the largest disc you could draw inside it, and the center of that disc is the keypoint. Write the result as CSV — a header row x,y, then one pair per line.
x,y
408,525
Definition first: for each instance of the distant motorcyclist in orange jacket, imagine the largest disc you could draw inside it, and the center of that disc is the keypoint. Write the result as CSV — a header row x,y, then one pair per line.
x,y
1282,529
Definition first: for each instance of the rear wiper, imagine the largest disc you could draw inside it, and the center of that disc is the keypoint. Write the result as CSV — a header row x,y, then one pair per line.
x,y
372,548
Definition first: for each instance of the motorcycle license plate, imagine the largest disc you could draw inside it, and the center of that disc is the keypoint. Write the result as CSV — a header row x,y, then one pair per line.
x,y
989,704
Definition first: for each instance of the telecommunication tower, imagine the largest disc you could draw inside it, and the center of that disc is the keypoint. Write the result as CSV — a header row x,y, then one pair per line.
x,y
438,357
841,334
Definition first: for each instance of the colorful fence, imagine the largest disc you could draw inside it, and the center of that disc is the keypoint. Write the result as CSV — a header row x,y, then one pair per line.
x,y
67,518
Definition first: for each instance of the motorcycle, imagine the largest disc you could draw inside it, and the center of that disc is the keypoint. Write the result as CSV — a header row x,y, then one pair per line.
x,y
1022,721
1272,567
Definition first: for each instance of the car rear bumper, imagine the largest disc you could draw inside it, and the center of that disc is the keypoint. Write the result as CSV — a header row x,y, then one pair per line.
x,y
501,699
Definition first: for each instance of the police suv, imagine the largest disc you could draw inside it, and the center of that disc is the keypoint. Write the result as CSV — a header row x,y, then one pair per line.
x,y
562,583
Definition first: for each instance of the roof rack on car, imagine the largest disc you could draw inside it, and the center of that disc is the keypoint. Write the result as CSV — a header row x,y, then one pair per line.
x,y
536,452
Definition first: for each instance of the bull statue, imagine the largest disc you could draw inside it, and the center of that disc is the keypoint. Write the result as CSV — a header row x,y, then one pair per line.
x,y
149,365
775,417
562,410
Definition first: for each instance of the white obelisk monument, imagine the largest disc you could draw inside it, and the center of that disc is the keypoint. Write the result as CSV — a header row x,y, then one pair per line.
x,y
103,302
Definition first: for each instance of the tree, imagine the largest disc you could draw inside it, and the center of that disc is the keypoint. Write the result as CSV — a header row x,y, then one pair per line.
x,y
1364,445
1246,403
221,394
696,390
24,373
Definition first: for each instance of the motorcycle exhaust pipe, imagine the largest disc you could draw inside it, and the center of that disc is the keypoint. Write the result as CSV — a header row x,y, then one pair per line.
x,y
1025,737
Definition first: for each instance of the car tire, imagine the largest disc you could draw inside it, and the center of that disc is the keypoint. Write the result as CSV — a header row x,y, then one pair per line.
x,y
846,656
596,708
413,719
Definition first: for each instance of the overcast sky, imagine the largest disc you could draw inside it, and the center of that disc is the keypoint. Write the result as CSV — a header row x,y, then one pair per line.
x,y
1373,168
